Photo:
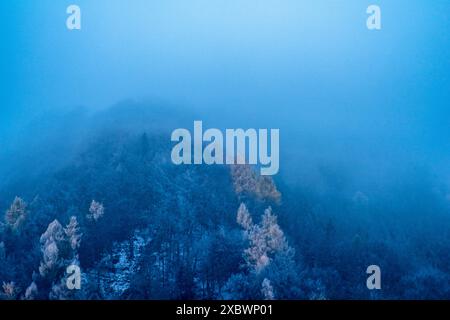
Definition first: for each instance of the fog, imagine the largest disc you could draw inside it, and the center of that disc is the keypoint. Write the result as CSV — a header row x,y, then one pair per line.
x,y
369,108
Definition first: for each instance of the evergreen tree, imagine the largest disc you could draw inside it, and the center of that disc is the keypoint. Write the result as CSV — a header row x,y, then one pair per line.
x,y
31,292
51,244
96,211
269,260
10,291
267,290
16,214
73,233
59,250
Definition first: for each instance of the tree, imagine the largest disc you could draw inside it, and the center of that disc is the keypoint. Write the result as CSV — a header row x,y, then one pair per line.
x,y
96,211
10,290
269,260
16,214
247,182
265,239
31,292
276,241
73,233
59,250
267,289
51,242
244,218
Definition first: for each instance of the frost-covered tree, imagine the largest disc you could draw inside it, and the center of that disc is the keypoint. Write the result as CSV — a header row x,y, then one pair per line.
x,y
276,241
244,218
247,182
256,255
269,259
265,239
51,244
16,214
10,290
31,292
59,250
73,233
267,289
96,211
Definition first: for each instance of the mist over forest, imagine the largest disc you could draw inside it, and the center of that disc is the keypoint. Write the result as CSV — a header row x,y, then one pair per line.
x,y
86,176
99,190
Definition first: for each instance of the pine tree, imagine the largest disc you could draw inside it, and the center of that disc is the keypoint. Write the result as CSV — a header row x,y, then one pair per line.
x,y
59,245
269,260
247,182
96,211
267,290
16,214
243,218
276,241
59,250
31,292
266,239
256,255
50,239
73,233
10,290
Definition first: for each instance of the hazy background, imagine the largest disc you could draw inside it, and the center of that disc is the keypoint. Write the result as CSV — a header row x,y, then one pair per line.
x,y
371,104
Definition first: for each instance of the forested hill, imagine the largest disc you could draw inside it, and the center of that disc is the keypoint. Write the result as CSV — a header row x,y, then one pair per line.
x,y
140,227
137,225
